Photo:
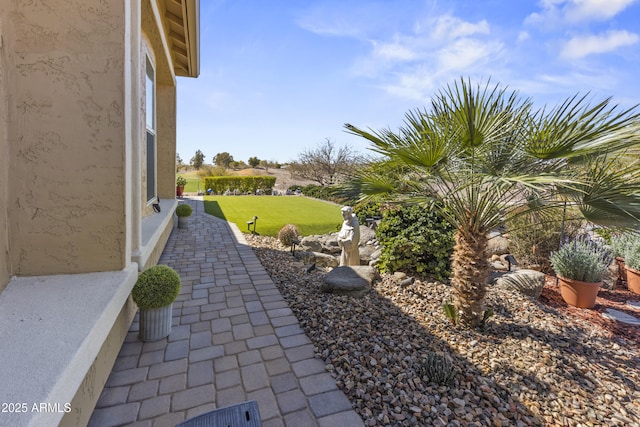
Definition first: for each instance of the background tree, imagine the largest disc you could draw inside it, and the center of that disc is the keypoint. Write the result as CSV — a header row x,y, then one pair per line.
x,y
223,159
325,164
197,160
179,163
253,161
485,156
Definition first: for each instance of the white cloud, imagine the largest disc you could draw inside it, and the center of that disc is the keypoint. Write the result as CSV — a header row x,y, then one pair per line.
x,y
466,54
394,51
560,12
595,10
580,47
449,27
410,65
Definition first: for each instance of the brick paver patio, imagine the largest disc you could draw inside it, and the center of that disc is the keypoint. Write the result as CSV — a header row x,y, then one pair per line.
x,y
233,339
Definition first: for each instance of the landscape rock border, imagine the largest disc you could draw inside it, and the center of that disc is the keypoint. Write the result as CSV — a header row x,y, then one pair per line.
x,y
533,365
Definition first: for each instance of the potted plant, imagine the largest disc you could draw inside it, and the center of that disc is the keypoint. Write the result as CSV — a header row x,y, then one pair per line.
x,y
184,212
627,246
180,183
619,245
580,266
154,292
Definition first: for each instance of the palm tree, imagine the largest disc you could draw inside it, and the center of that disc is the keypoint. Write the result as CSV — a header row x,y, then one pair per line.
x,y
485,155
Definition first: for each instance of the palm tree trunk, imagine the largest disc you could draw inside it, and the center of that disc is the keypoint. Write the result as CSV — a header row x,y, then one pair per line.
x,y
470,273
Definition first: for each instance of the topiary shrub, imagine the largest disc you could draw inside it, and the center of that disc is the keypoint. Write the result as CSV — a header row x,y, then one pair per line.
x,y
184,210
415,239
156,287
288,234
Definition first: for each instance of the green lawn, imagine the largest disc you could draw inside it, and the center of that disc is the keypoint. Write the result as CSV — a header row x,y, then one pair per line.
x,y
309,215
193,185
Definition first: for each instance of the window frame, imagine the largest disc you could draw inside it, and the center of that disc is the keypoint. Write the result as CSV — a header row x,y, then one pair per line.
x,y
151,131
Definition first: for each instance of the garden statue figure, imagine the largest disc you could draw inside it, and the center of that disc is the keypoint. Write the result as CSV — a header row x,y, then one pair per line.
x,y
349,238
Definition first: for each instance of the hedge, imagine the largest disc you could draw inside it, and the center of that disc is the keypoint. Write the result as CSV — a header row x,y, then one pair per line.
x,y
244,184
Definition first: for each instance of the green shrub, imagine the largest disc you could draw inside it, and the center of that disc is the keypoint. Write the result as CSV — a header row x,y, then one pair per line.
x,y
532,237
368,208
184,209
244,184
329,193
156,287
288,234
582,260
415,239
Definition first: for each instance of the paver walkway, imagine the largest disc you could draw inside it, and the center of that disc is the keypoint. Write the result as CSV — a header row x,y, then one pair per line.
x,y
233,339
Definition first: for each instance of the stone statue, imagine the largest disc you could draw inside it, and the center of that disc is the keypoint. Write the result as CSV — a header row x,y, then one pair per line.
x,y
349,238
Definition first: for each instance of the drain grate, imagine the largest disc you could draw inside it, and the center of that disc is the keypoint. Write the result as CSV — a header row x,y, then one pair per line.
x,y
241,415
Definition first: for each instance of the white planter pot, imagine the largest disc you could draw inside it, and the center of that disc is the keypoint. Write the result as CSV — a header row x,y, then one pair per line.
x,y
155,324
183,222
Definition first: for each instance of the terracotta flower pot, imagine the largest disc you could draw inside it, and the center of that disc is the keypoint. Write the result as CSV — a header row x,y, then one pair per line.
x,y
579,294
179,190
633,280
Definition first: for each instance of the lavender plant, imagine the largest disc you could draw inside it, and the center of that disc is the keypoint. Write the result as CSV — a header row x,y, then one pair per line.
x,y
583,260
627,246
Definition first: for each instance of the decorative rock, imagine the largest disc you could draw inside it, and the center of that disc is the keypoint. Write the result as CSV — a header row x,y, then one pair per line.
x,y
366,235
320,259
497,245
349,280
312,243
406,282
620,316
498,265
527,282
365,254
501,384
459,403
634,304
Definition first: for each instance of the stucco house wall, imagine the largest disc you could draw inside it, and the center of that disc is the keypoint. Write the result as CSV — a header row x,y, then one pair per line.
x,y
67,138
5,270
76,225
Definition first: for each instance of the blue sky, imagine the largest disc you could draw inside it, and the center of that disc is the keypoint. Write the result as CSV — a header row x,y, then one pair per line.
x,y
280,76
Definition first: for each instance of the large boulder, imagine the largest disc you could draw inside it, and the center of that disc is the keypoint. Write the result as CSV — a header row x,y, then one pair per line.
x,y
366,253
327,243
497,244
312,243
527,282
366,235
320,259
353,280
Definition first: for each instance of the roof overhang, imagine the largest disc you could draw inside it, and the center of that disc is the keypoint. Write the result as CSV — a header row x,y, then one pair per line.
x,y
182,28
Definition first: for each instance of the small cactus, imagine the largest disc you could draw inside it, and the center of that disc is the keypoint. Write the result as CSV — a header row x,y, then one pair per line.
x,y
288,234
437,369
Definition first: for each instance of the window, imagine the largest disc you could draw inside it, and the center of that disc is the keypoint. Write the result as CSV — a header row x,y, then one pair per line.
x,y
150,103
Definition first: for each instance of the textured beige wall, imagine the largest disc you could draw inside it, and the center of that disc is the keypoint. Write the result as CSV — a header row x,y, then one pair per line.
x,y
87,395
67,136
5,270
166,116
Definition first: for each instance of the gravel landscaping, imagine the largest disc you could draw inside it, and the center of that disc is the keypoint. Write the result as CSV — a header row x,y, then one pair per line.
x,y
535,363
